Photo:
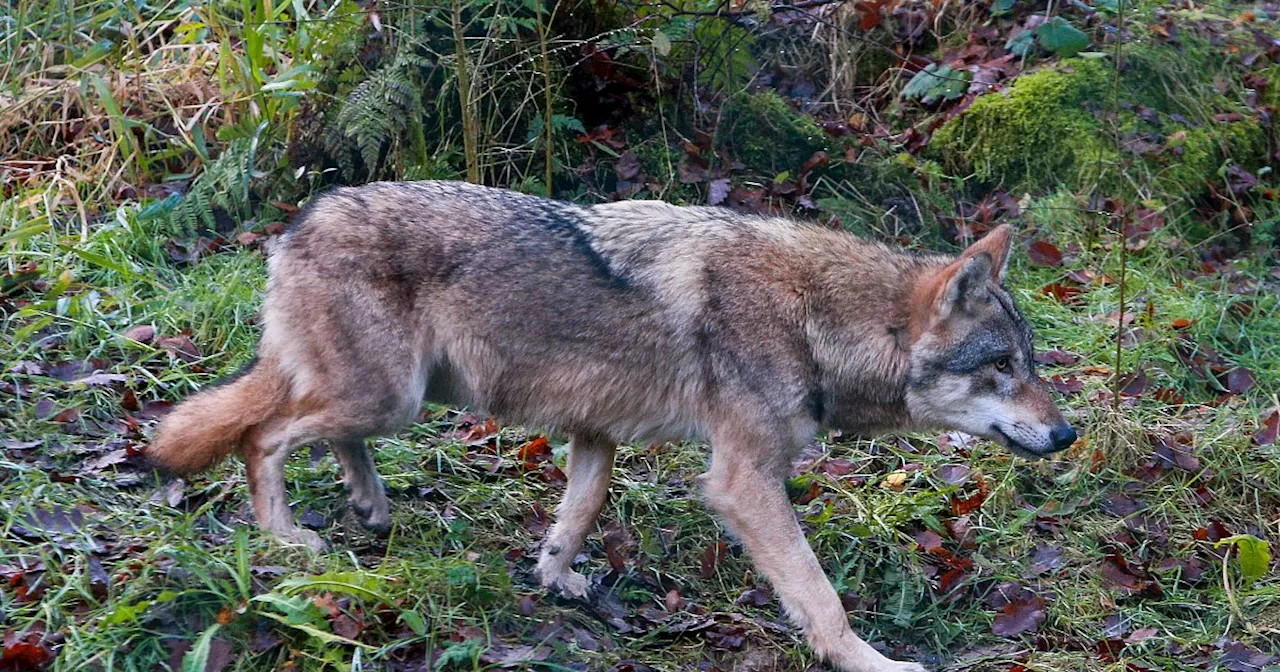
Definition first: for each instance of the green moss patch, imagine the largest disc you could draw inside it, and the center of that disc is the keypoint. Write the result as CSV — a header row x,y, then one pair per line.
x,y
1046,130
762,131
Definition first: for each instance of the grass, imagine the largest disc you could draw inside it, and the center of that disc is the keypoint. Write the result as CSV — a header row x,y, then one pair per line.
x,y
107,567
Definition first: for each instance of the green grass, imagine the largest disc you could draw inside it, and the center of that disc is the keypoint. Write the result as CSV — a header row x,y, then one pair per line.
x,y
466,531
106,567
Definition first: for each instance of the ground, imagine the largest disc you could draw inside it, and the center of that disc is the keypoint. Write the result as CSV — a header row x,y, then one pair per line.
x,y
143,184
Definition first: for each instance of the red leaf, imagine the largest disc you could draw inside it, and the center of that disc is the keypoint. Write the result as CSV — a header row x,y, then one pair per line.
x,y
712,557
1068,386
1270,430
1043,253
1169,396
950,579
144,333
1063,293
534,452
1019,616
1181,323
24,652
960,507
868,13
179,346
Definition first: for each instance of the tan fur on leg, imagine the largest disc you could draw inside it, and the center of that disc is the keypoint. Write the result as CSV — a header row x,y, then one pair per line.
x,y
590,468
264,457
756,507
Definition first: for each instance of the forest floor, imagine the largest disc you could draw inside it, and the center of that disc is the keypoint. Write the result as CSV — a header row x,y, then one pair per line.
x,y
1146,546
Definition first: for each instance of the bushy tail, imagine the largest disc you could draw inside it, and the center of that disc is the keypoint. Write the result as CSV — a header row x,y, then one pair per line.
x,y
210,425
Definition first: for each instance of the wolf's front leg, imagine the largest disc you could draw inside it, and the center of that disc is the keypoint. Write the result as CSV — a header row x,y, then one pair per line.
x,y
756,507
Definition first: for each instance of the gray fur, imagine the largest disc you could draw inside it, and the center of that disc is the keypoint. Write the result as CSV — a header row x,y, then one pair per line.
x,y
631,321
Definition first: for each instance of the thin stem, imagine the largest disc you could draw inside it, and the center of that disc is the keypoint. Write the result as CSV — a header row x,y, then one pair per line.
x,y
1124,243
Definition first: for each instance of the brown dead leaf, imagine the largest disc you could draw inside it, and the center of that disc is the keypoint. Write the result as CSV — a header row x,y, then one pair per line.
x,y
1043,253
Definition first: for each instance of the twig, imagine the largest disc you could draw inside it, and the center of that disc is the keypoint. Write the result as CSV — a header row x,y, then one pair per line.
x,y
470,132
1124,243
546,84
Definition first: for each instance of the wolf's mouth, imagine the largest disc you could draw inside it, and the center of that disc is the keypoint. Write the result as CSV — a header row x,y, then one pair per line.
x,y
1015,447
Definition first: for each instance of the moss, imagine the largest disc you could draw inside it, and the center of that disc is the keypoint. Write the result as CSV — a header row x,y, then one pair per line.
x,y
1194,155
1038,134
762,131
1031,133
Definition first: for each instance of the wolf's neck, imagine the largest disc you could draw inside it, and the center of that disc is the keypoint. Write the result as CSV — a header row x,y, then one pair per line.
x,y
859,319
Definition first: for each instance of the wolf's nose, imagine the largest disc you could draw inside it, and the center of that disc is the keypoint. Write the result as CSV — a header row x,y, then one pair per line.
x,y
1062,437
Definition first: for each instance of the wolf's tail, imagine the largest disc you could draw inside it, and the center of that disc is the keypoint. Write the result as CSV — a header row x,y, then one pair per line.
x,y
210,425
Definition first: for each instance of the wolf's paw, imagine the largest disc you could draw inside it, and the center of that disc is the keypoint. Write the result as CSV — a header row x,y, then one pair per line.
x,y
569,583
301,537
373,518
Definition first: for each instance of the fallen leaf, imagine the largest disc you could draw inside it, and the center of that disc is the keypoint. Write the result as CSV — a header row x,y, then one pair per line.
x,y
99,464
143,333
1140,635
1019,616
1042,253
895,481
758,596
1056,357
953,474
1239,380
627,168
1270,430
1064,294
1068,386
928,540
179,346
1122,506
534,452
718,191
1134,384
1046,559
25,651
961,506
712,557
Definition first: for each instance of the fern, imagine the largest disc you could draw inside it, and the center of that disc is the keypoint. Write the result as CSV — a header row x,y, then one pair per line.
x,y
224,184
379,117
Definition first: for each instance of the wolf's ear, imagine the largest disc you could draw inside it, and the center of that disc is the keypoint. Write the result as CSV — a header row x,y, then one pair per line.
x,y
995,244
964,282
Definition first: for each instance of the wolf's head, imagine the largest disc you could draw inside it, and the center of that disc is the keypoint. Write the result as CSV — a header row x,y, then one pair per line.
x,y
971,356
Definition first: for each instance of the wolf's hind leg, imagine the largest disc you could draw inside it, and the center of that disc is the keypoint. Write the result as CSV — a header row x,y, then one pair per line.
x,y
590,468
264,456
360,475
755,505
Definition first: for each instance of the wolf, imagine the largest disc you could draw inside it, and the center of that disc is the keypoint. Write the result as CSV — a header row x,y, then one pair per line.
x,y
628,321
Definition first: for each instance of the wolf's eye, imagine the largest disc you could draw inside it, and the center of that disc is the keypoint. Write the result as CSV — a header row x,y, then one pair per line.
x,y
1002,364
